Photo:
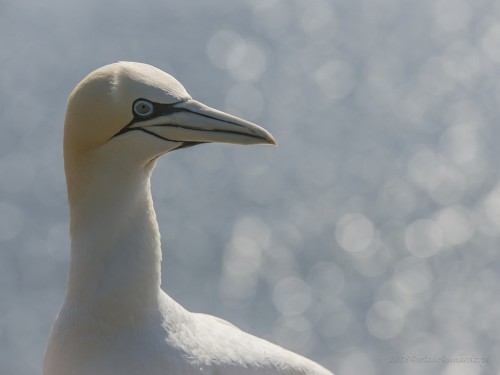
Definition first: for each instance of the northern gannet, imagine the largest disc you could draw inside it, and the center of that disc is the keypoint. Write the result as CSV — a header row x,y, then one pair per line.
x,y
115,318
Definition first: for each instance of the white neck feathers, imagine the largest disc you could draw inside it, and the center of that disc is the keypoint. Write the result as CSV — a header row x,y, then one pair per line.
x,y
115,242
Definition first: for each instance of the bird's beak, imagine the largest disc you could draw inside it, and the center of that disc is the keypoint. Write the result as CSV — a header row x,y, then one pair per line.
x,y
192,122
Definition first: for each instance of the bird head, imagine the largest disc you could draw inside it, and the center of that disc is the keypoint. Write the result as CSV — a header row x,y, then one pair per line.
x,y
131,113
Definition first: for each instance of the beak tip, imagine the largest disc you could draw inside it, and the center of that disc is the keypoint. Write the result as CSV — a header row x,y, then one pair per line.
x,y
268,137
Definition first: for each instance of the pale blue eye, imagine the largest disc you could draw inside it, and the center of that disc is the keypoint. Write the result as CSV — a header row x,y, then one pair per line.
x,y
143,108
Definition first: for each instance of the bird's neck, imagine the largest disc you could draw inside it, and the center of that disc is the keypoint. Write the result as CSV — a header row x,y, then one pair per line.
x,y
115,243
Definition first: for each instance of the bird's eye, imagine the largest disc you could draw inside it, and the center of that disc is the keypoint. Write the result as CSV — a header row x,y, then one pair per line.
x,y
143,108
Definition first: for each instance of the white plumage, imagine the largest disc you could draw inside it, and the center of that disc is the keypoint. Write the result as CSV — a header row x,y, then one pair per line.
x,y
115,318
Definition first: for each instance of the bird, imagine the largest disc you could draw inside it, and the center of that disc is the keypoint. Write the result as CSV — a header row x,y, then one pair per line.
x,y
115,317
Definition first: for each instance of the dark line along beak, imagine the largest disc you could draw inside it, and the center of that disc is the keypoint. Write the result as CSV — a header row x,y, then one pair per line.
x,y
193,122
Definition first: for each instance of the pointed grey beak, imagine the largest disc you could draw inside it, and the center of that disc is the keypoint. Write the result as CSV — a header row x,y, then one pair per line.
x,y
194,122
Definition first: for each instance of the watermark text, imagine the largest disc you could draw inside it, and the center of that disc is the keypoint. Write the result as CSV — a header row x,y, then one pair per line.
x,y
438,359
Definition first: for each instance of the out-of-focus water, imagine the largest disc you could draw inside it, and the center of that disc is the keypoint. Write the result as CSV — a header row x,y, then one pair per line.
x,y
367,241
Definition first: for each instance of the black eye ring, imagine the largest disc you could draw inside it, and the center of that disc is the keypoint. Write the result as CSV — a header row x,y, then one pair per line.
x,y
143,108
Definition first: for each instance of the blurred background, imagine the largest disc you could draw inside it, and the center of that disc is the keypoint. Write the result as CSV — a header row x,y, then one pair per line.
x,y
368,238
